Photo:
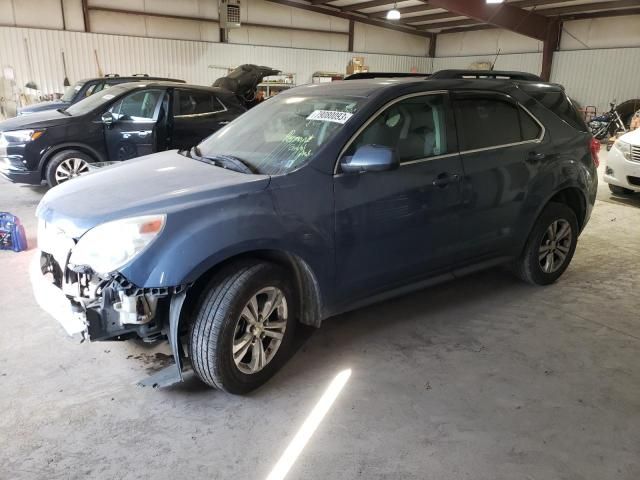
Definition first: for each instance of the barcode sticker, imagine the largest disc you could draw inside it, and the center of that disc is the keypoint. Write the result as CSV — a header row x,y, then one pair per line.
x,y
330,116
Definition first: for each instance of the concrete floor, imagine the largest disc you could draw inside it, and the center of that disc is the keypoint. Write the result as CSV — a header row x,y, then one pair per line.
x,y
481,378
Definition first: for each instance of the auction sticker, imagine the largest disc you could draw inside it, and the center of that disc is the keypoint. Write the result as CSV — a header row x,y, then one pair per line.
x,y
330,116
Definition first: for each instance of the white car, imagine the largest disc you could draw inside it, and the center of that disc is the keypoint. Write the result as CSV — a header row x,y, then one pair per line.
x,y
622,171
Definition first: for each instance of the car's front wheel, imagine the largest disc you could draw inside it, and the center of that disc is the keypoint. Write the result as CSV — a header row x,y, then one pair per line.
x,y
243,328
66,165
550,246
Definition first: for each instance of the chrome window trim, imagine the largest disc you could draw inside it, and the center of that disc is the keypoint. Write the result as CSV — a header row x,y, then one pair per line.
x,y
538,139
204,114
426,159
377,114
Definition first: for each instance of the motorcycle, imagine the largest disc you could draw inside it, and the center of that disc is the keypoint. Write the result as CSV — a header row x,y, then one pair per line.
x,y
607,124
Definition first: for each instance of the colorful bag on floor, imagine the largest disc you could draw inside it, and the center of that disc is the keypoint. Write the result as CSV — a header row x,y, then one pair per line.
x,y
12,235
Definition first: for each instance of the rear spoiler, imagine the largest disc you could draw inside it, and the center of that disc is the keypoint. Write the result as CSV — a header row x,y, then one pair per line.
x,y
491,74
366,75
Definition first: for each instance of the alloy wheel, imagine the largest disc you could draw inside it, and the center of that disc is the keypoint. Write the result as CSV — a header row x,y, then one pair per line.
x,y
555,246
70,168
259,330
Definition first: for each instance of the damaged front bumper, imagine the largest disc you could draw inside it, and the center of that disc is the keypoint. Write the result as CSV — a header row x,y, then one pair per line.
x,y
107,308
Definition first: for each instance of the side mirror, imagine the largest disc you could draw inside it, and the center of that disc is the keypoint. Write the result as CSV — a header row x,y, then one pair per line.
x,y
107,119
371,158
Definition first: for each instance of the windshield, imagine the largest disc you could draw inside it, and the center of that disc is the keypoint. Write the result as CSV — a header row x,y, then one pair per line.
x,y
92,102
283,133
71,91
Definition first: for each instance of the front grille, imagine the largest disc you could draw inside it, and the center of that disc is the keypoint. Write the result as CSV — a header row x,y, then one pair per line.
x,y
635,153
634,181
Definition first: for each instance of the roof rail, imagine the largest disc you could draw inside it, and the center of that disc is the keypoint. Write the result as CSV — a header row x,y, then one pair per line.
x,y
365,75
111,75
140,75
495,74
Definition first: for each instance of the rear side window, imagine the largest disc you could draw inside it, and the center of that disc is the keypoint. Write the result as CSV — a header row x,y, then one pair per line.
x,y
195,102
558,103
485,122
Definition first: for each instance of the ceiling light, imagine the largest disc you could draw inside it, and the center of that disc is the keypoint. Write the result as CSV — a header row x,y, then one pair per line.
x,y
495,1
393,14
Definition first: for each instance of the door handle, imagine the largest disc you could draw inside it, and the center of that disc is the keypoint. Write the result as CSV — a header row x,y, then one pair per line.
x,y
535,157
445,179
224,122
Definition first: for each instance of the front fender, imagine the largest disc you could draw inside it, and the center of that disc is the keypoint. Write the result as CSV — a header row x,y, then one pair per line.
x,y
196,240
52,150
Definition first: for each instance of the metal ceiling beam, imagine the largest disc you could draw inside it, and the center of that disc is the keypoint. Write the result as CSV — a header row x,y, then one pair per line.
x,y
564,17
509,17
429,18
350,16
472,28
457,23
504,15
589,7
365,5
425,8
610,13
405,10
85,16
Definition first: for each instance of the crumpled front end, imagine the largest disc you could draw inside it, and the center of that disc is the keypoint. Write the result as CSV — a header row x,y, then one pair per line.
x,y
92,306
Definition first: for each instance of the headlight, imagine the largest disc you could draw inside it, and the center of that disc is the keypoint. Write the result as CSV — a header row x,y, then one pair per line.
x,y
624,147
109,246
21,136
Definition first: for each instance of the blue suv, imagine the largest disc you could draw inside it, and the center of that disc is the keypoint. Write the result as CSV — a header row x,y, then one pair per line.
x,y
318,201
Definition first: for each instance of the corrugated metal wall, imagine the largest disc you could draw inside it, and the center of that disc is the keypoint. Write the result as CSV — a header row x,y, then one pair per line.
x,y
188,60
593,77
523,62
597,77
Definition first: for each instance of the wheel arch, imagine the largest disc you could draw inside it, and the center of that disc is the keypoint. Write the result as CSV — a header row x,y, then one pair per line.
x,y
575,199
52,151
570,195
305,283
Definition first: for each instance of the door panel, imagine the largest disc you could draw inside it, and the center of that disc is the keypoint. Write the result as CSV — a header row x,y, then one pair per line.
x,y
502,151
196,115
395,227
133,133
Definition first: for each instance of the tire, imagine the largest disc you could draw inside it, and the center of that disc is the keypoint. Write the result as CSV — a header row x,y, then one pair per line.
x,y
616,190
221,319
529,267
66,165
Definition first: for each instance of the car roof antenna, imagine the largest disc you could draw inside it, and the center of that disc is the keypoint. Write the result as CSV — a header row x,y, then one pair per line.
x,y
493,65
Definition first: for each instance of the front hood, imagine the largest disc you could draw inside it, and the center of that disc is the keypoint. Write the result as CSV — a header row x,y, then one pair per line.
x,y
42,106
164,182
48,118
632,137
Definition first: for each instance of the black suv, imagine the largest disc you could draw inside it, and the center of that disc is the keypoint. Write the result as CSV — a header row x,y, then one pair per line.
x,y
87,87
321,200
123,122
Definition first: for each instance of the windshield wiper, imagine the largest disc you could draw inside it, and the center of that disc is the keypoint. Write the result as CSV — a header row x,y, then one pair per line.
x,y
63,111
223,161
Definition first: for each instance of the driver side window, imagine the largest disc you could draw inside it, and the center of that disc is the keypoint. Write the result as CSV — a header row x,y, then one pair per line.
x,y
414,127
137,107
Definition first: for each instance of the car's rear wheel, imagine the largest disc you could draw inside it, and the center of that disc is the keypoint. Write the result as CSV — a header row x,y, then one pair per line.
x,y
243,328
66,165
617,190
550,246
